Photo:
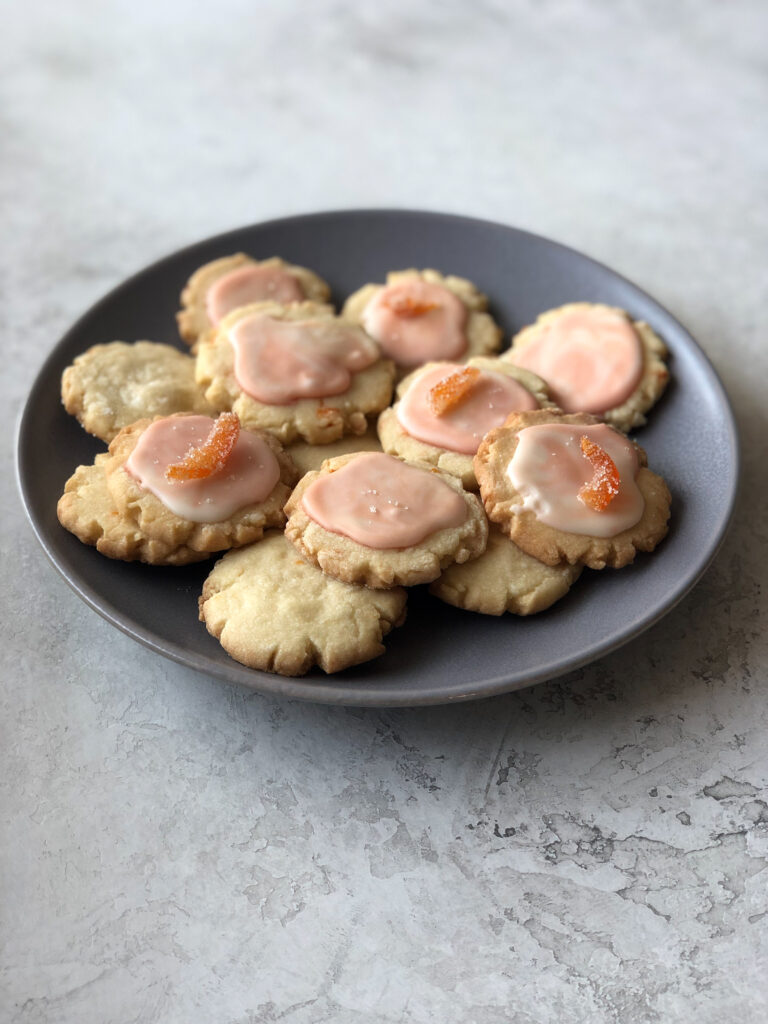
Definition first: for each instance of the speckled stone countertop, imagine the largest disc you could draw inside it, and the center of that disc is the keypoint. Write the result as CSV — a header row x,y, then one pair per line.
x,y
594,849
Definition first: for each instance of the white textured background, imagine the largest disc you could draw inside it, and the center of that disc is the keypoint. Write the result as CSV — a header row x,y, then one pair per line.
x,y
592,850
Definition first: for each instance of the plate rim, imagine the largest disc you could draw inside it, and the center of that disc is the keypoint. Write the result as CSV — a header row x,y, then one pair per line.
x,y
351,694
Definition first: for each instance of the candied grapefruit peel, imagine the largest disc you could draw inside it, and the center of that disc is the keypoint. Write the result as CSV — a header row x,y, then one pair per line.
x,y
408,307
452,390
600,491
203,460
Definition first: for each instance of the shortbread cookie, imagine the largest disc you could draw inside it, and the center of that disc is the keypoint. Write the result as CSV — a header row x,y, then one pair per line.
x,y
230,507
504,579
421,316
566,487
112,385
374,519
217,288
273,611
297,371
595,360
88,510
307,457
445,410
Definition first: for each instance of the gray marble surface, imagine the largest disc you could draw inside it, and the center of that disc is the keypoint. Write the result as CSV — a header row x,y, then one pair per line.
x,y
592,850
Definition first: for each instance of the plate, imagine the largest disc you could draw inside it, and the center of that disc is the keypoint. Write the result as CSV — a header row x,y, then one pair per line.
x,y
441,654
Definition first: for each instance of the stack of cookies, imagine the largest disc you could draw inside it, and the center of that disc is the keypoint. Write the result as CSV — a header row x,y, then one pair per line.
x,y
492,478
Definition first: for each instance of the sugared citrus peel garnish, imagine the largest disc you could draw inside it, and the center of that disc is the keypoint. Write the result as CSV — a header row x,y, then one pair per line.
x,y
452,390
604,485
408,307
210,456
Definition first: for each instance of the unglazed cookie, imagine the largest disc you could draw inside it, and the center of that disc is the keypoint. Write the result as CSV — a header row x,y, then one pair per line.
x,y
307,457
376,520
544,486
88,510
428,425
504,579
231,507
273,611
594,359
112,385
217,288
298,371
422,316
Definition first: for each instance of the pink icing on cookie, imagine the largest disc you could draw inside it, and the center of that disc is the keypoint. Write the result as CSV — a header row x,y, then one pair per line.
x,y
549,468
381,502
592,359
416,322
250,283
248,477
461,428
281,361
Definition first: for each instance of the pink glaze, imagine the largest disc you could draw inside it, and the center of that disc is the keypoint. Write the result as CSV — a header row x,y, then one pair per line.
x,y
549,468
280,361
250,283
381,502
461,429
437,333
248,477
592,359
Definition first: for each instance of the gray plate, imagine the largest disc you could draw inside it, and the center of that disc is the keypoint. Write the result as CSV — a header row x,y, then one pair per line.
x,y
441,654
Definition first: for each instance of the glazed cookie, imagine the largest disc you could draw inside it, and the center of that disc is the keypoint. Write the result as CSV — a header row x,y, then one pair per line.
x,y
566,487
445,410
88,510
595,360
421,316
112,385
297,371
504,579
273,611
229,507
374,519
217,288
307,457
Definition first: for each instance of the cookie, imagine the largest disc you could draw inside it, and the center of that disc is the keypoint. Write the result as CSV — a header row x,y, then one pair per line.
x,y
88,510
376,520
273,611
422,316
504,579
231,507
217,288
298,371
112,385
566,487
443,412
307,457
595,359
